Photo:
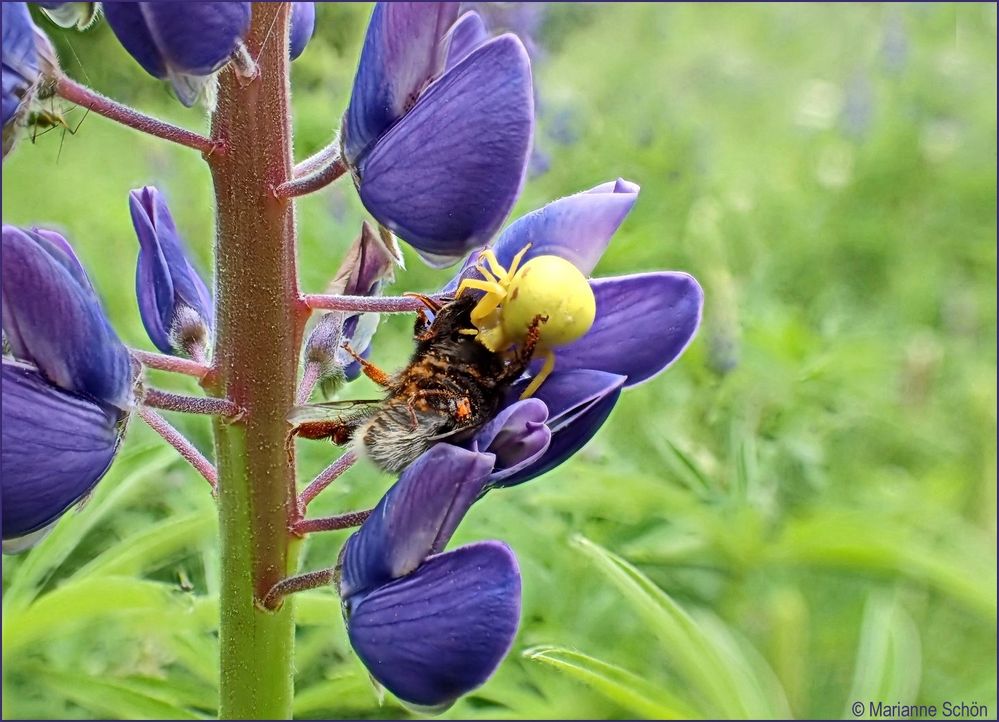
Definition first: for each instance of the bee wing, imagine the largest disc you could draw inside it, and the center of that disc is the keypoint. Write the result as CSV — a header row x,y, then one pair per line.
x,y
329,411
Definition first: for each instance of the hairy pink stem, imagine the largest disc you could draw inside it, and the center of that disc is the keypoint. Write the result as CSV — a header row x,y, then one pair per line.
x,y
364,304
180,442
326,477
332,523
312,182
102,105
207,405
324,156
310,377
299,583
162,362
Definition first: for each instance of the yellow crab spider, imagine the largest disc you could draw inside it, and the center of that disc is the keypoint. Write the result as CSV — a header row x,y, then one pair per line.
x,y
549,286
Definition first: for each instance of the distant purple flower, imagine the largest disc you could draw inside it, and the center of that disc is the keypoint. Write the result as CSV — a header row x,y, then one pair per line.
x,y
179,41
643,322
20,65
429,626
367,267
175,305
438,150
67,386
303,25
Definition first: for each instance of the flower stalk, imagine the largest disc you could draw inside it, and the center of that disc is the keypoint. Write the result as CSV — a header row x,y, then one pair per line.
x,y
174,364
311,182
183,446
326,477
337,522
208,406
94,101
364,304
255,352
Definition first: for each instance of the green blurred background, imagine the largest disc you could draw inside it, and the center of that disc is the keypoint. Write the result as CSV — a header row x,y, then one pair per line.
x,y
799,514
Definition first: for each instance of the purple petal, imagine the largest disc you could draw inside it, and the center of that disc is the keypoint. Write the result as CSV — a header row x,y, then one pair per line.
x,y
468,33
442,631
173,39
165,281
55,323
368,264
60,250
56,447
415,518
303,25
578,228
644,322
129,25
403,52
517,436
578,404
446,175
19,68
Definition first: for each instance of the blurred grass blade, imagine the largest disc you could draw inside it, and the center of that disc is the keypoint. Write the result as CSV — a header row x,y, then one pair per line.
x,y
130,471
112,697
83,602
718,676
889,654
620,686
852,541
689,474
352,690
151,546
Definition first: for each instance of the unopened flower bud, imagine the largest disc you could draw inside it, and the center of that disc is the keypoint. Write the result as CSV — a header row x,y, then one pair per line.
x,y
367,267
175,304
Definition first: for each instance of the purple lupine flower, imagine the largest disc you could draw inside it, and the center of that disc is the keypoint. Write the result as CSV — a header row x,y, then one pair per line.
x,y
643,321
366,269
20,64
175,305
429,626
67,385
303,25
438,152
184,43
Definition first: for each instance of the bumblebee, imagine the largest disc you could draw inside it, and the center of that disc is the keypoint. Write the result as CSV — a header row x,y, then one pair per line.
x,y
452,385
466,358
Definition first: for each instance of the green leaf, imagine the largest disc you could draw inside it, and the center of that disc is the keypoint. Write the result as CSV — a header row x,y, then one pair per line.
x,y
117,698
889,654
615,683
81,602
353,690
857,541
150,547
718,673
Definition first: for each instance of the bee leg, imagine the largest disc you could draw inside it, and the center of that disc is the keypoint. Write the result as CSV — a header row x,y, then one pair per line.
x,y
429,302
370,370
339,431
